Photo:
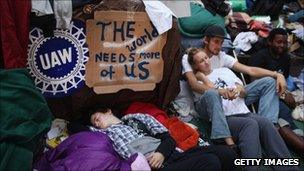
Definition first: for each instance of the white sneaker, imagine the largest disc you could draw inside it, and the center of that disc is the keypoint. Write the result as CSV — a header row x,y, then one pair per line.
x,y
299,132
298,113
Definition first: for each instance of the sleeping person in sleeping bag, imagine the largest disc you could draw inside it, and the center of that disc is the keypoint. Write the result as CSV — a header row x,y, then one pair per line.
x,y
141,133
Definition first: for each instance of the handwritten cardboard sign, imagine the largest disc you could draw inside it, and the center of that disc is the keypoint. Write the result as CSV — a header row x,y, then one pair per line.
x,y
125,52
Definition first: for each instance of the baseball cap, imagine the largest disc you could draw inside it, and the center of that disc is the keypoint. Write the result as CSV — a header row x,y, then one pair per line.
x,y
215,31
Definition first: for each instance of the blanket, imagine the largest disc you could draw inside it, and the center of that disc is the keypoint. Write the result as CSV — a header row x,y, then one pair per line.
x,y
25,117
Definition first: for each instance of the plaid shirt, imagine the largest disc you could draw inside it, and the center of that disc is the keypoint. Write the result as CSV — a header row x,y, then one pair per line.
x,y
121,134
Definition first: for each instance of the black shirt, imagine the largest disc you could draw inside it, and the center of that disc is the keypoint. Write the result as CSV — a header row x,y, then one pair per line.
x,y
265,59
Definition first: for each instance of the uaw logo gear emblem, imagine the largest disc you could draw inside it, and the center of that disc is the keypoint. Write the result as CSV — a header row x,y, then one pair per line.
x,y
57,63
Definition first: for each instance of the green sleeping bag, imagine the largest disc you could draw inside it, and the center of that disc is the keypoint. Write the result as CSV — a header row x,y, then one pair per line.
x,y
200,19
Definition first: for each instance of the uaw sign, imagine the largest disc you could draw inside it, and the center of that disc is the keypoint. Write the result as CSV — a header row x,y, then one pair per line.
x,y
125,52
57,63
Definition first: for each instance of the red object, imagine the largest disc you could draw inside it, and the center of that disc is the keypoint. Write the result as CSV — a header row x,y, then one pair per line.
x,y
185,136
14,29
148,108
260,27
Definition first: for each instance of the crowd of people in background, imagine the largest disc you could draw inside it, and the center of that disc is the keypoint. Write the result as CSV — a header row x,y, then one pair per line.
x,y
221,98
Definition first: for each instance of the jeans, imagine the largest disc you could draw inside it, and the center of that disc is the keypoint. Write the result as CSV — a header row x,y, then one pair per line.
x,y
252,133
285,113
217,157
262,90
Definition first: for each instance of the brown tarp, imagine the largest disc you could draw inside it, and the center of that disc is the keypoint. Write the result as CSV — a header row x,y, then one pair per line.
x,y
73,106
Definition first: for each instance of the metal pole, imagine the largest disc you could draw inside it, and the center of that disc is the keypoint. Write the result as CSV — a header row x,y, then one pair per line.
x,y
243,79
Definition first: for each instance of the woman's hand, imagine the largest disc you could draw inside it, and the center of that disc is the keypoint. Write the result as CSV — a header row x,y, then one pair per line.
x,y
156,160
240,90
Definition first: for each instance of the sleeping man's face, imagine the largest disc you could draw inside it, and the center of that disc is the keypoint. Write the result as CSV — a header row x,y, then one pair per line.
x,y
102,119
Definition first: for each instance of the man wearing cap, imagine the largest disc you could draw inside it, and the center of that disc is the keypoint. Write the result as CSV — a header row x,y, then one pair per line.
x,y
266,90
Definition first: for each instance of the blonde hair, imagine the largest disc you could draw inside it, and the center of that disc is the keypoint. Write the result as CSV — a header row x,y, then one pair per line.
x,y
191,53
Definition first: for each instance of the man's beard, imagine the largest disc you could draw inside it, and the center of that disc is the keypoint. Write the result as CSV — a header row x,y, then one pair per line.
x,y
275,51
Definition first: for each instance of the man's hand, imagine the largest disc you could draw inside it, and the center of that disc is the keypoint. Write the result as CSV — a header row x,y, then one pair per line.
x,y
156,160
289,100
281,83
227,93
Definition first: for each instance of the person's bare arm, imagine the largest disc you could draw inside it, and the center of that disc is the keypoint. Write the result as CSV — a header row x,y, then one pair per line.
x,y
260,72
194,84
204,79
206,85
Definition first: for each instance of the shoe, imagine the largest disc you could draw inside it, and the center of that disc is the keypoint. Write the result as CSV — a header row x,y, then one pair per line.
x,y
298,113
292,140
298,132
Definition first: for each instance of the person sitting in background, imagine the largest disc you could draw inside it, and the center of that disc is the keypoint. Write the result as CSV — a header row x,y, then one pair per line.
x,y
265,90
276,58
251,131
141,133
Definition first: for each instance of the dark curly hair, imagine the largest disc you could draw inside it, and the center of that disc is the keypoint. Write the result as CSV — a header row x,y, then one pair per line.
x,y
275,32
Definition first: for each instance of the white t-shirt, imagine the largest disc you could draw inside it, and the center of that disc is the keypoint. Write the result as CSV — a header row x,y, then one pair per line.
x,y
225,78
217,61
